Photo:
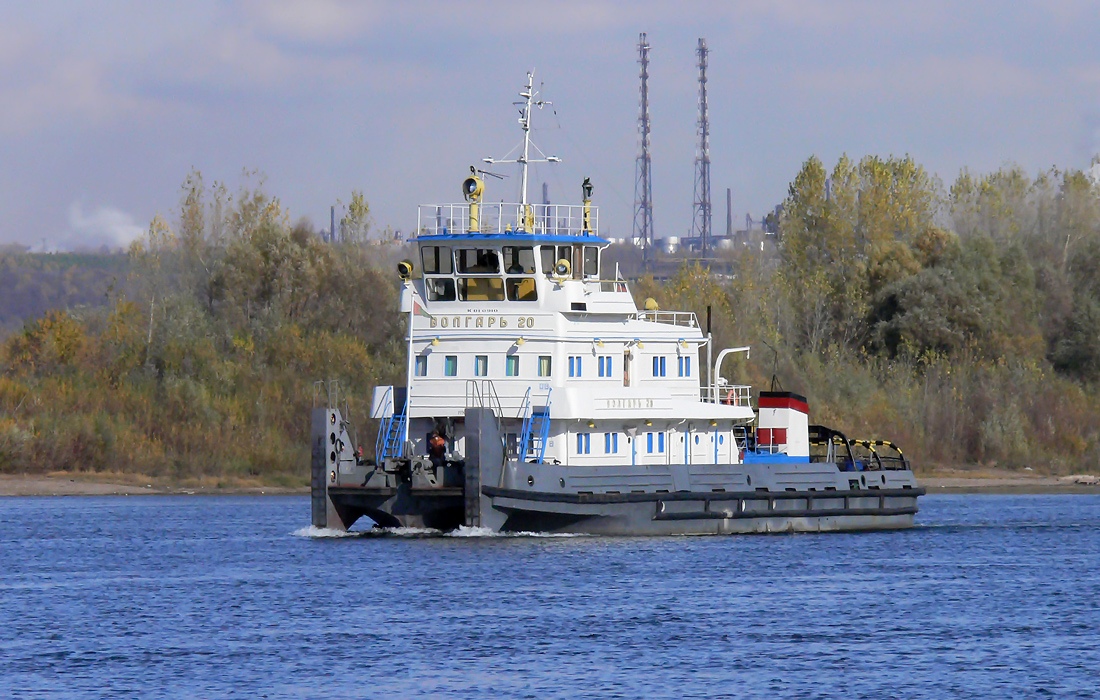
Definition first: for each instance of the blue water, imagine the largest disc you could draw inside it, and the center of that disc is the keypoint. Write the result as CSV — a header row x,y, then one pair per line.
x,y
199,597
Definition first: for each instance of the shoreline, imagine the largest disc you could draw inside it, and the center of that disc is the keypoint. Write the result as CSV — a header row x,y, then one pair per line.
x,y
63,484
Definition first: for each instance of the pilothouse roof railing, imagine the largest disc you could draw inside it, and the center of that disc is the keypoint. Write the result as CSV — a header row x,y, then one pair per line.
x,y
502,217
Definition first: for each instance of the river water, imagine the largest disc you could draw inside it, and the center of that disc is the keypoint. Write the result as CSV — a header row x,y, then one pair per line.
x,y
200,597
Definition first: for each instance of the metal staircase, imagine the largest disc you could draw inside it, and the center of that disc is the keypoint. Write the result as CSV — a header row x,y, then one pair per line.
x,y
536,428
390,442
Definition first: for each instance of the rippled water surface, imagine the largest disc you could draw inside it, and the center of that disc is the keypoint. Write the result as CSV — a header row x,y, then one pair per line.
x,y
991,596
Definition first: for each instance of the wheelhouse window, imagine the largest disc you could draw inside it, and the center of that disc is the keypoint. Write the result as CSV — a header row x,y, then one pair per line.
x,y
481,365
552,254
574,365
521,289
450,365
591,262
480,289
544,365
440,288
478,261
436,259
518,260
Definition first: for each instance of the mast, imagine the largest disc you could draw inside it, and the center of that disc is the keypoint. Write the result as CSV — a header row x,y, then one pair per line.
x,y
530,99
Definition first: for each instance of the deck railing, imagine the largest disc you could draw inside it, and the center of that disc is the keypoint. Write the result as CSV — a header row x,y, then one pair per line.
x,y
672,318
730,394
503,217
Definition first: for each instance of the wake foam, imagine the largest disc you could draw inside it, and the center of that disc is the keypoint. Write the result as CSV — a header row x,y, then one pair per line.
x,y
320,532
464,531
421,532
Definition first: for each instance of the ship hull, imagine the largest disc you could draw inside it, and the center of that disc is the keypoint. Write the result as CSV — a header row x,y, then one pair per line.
x,y
492,492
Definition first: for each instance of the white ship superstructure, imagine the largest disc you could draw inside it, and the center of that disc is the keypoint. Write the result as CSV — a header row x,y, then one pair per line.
x,y
539,396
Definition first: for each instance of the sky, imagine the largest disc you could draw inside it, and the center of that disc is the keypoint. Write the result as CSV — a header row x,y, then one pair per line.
x,y
106,106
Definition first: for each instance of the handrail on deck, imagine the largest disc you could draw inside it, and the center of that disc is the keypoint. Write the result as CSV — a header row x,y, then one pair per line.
x,y
687,319
506,217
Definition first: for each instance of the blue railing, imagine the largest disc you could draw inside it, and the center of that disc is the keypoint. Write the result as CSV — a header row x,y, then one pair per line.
x,y
536,428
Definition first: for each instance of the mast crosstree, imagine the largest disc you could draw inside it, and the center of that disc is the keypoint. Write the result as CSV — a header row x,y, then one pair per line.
x,y
530,99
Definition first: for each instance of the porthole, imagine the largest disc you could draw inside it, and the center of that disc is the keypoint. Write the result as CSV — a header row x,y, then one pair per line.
x,y
742,506
696,439
530,480
332,438
721,439
332,418
332,456
332,476
863,479
748,480
883,478
561,482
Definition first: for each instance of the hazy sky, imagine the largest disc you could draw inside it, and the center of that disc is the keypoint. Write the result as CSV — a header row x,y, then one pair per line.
x,y
106,106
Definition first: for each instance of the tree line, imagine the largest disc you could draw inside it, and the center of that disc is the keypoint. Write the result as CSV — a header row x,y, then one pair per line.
x,y
963,322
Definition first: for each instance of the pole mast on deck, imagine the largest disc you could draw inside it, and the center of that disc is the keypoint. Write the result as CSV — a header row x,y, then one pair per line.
x,y
530,99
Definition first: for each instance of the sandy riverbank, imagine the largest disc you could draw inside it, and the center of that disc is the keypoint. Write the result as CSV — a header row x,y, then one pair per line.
x,y
61,484
944,481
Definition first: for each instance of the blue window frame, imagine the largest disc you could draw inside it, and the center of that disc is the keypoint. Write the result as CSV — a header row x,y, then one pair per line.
x,y
684,365
574,365
584,443
481,365
604,365
661,442
450,365
659,366
511,366
649,443
611,443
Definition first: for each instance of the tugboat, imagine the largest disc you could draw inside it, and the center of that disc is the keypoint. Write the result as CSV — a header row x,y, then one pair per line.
x,y
539,397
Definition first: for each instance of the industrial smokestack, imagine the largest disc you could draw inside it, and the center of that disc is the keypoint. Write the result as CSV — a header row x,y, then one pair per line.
x,y
729,213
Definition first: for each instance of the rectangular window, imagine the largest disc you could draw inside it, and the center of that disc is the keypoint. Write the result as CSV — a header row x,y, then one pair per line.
x,y
421,365
659,366
519,260
544,365
684,365
591,262
611,443
511,366
574,366
436,259
480,289
521,289
604,362
478,261
584,443
649,443
481,366
440,288
661,442
450,365
548,260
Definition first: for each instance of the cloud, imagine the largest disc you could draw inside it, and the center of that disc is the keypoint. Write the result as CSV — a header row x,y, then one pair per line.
x,y
319,20
103,226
